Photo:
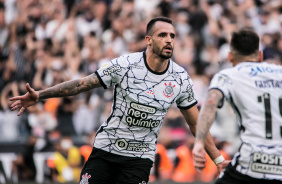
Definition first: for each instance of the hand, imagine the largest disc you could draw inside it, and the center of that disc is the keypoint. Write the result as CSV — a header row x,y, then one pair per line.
x,y
22,102
221,166
199,155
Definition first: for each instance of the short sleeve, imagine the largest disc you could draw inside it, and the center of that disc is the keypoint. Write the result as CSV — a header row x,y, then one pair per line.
x,y
223,83
186,99
111,73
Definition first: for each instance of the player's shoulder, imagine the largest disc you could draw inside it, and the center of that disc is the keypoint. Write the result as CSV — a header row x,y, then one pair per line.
x,y
177,69
274,66
235,70
132,57
228,71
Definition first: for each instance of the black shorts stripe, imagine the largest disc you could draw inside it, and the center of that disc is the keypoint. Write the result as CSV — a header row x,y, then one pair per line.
x,y
101,81
188,107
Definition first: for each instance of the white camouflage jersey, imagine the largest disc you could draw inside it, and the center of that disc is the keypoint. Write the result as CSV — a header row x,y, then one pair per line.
x,y
254,91
141,99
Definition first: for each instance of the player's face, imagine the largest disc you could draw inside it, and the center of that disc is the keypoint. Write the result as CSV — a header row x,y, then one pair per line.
x,y
163,39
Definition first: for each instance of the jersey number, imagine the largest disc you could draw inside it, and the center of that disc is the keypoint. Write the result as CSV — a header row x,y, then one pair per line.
x,y
265,98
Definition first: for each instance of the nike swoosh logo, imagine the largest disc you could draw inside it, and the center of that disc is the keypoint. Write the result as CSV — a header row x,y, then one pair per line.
x,y
137,82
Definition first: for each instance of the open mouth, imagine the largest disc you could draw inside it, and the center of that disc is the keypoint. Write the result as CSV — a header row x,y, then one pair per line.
x,y
168,48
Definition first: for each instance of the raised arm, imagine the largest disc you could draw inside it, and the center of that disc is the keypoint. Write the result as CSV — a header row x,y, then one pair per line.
x,y
203,137
68,88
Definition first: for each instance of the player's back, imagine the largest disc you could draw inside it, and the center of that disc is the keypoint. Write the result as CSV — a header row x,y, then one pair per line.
x,y
256,96
254,91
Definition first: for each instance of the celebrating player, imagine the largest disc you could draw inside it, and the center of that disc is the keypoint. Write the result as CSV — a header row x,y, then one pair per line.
x,y
254,90
146,84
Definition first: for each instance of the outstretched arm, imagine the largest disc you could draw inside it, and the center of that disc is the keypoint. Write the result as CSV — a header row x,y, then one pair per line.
x,y
204,122
68,88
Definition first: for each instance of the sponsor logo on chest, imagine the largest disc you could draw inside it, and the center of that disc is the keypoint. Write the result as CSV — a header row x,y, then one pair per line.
x,y
138,116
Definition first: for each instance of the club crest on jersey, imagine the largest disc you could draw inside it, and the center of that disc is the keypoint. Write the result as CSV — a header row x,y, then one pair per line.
x,y
85,178
168,91
150,91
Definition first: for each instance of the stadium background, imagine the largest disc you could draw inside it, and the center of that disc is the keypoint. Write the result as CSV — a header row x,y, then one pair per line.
x,y
45,42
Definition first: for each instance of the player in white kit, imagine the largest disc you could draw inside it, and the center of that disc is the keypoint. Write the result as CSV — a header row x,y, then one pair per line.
x,y
254,90
146,84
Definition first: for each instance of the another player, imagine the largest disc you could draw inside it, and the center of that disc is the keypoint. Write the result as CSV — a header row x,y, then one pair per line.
x,y
254,90
146,84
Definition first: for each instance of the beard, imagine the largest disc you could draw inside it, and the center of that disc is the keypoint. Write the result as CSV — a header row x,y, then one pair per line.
x,y
160,52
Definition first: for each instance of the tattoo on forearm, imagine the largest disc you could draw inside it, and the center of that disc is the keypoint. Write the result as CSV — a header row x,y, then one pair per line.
x,y
71,88
207,114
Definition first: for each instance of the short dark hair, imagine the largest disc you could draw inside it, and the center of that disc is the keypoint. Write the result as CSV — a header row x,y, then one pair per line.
x,y
2,6
245,42
152,22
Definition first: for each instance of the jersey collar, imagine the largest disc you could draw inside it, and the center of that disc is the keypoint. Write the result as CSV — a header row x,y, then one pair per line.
x,y
157,73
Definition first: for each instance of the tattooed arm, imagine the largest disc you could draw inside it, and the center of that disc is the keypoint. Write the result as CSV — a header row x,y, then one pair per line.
x,y
204,122
68,88
207,114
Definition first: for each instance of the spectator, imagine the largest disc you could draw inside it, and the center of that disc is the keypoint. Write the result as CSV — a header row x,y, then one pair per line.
x,y
3,27
24,167
66,161
8,120
86,149
3,177
184,170
162,167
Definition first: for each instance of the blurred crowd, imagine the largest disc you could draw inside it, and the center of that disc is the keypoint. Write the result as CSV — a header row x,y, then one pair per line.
x,y
46,42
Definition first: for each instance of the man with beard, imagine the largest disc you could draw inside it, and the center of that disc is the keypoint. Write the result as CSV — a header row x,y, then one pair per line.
x,y
146,84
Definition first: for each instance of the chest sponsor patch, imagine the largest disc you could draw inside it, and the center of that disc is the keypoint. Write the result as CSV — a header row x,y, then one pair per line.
x,y
138,116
